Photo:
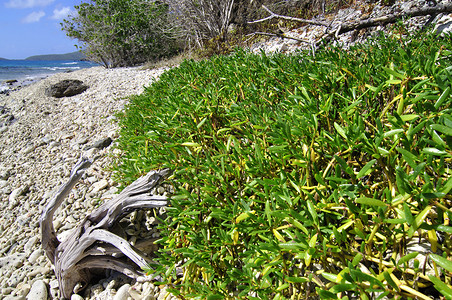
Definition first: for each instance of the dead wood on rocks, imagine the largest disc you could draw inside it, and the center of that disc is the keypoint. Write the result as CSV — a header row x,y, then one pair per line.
x,y
357,25
92,245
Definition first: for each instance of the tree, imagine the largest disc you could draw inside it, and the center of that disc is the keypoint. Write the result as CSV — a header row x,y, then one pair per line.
x,y
119,33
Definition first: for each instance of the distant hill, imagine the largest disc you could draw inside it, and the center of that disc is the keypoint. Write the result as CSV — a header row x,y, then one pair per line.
x,y
68,56
1,58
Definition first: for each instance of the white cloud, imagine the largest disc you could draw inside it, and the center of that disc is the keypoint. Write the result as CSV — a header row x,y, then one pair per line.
x,y
34,17
61,13
27,3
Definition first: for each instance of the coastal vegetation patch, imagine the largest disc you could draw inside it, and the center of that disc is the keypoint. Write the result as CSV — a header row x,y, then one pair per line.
x,y
311,175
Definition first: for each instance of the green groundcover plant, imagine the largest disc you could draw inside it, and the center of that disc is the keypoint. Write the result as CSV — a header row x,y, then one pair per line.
x,y
303,177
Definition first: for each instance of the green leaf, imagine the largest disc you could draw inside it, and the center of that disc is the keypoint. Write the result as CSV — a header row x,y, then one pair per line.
x,y
419,220
357,259
190,144
339,288
360,276
408,156
394,73
340,130
201,123
441,128
442,98
215,297
366,170
244,216
442,262
392,132
329,276
394,81
370,201
442,287
297,279
312,212
434,151
445,189
407,257
282,287
408,215
326,294
293,246
389,280
444,228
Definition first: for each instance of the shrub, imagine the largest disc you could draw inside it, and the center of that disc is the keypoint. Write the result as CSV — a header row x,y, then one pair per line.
x,y
119,33
299,176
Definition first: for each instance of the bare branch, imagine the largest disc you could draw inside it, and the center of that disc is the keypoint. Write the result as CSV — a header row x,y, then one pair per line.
x,y
287,18
392,18
50,243
280,36
347,27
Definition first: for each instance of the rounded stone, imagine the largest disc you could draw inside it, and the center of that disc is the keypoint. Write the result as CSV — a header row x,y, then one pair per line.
x,y
76,297
123,293
38,291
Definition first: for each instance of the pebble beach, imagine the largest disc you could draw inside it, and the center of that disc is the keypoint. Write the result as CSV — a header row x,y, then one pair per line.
x,y
41,139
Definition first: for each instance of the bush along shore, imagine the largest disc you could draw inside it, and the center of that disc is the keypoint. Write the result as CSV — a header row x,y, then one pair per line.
x,y
300,176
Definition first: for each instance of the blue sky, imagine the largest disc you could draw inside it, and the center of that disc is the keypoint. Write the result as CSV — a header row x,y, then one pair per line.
x,y
32,27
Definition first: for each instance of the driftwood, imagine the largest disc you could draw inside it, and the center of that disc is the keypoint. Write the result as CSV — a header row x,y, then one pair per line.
x,y
287,18
361,24
393,18
281,36
92,245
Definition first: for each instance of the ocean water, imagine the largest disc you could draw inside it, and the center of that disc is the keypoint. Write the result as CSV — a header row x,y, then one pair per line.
x,y
28,71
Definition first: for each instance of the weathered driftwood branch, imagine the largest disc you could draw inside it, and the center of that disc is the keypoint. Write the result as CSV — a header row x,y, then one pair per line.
x,y
92,245
287,18
281,36
361,24
392,18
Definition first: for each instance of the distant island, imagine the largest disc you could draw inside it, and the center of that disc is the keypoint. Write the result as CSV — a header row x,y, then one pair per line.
x,y
77,55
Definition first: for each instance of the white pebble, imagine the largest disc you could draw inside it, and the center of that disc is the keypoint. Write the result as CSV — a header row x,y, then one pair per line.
x,y
38,291
123,293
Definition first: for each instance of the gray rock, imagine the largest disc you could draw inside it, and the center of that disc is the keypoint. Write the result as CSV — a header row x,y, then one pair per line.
x,y
444,25
23,289
13,197
123,293
100,185
4,175
135,294
15,260
28,149
162,294
66,88
82,141
101,144
38,291
31,242
34,256
76,297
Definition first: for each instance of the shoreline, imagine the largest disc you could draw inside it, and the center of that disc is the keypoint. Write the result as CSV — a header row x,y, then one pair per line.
x,y
11,85
41,138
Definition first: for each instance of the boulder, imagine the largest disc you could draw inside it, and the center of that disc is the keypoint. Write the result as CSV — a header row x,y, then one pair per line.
x,y
66,88
11,81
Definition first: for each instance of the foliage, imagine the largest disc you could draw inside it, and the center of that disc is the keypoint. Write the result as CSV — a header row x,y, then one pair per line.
x,y
302,177
121,33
